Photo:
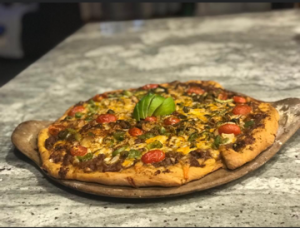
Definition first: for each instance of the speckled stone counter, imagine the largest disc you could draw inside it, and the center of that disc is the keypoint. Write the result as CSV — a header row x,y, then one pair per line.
x,y
257,54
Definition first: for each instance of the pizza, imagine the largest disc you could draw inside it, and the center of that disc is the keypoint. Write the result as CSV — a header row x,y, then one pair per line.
x,y
157,135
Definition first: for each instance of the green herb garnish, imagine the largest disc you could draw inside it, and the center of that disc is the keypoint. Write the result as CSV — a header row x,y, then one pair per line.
x,y
249,123
118,151
78,115
218,141
134,154
86,157
155,144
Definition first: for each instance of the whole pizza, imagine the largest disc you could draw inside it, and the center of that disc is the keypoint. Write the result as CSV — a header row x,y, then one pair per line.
x,y
157,135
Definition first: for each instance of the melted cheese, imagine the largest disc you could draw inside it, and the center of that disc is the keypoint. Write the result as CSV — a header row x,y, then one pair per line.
x,y
161,138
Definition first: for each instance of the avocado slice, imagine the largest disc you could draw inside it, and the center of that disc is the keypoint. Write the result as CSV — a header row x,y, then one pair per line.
x,y
136,112
156,102
146,103
166,108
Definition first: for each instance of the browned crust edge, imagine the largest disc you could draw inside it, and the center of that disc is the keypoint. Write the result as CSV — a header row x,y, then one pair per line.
x,y
264,137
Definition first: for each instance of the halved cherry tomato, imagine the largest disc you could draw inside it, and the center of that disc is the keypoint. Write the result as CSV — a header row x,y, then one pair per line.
x,y
240,100
73,111
99,97
241,110
171,121
78,151
151,119
135,131
150,86
106,118
153,156
223,96
55,129
195,90
229,129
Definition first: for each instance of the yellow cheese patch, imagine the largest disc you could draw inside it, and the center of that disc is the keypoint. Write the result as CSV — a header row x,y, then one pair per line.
x,y
161,138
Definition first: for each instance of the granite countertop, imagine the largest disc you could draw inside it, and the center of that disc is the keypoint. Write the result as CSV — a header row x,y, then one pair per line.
x,y
256,54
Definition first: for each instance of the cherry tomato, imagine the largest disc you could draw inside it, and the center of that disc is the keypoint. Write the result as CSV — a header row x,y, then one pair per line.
x,y
55,129
106,118
99,97
135,131
78,151
150,86
241,110
229,129
73,111
151,119
195,90
240,100
171,121
223,96
153,156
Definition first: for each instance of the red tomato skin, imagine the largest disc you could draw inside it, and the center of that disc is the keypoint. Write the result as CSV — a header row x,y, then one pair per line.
x,y
240,100
171,121
78,151
55,129
151,119
76,109
241,110
229,129
153,156
223,96
195,90
150,86
135,131
99,97
106,118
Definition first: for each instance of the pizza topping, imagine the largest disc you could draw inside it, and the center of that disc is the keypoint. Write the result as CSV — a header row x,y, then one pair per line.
x,y
249,123
134,154
222,96
240,100
224,101
151,119
76,109
241,110
155,144
195,90
153,156
49,143
153,104
171,121
86,157
78,151
150,86
229,129
219,141
106,118
119,135
135,131
54,129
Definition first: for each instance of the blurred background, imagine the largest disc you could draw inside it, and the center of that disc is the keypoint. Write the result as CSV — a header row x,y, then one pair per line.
x,y
29,30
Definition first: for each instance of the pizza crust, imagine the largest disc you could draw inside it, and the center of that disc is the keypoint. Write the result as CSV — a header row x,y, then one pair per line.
x,y
264,137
